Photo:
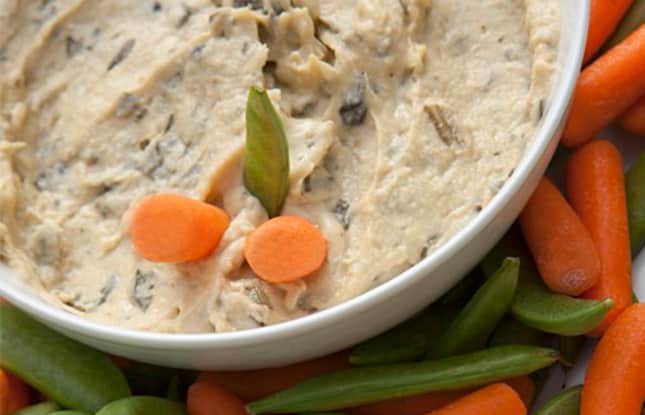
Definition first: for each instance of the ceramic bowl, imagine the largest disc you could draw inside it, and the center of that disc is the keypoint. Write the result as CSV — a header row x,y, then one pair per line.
x,y
367,315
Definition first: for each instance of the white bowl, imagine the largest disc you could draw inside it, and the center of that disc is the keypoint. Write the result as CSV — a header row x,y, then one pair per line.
x,y
367,315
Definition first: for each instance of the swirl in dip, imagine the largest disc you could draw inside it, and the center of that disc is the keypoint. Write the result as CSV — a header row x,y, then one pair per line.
x,y
403,119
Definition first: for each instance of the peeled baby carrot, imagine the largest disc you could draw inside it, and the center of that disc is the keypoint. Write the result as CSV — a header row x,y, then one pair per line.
x,y
561,245
252,385
606,89
285,249
14,393
422,404
208,398
615,379
604,17
172,228
634,119
596,188
498,399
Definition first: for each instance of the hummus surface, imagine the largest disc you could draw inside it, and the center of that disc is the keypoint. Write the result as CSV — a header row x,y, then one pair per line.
x,y
404,118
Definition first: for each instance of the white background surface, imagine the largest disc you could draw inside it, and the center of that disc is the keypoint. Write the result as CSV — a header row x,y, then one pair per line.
x,y
631,147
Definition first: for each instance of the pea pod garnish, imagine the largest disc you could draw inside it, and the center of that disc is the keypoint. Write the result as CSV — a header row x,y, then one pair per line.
x,y
266,158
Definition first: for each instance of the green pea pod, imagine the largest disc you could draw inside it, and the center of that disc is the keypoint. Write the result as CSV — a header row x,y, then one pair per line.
x,y
69,412
511,331
404,343
635,191
633,19
570,347
535,305
44,408
143,405
266,158
566,402
369,384
68,372
472,327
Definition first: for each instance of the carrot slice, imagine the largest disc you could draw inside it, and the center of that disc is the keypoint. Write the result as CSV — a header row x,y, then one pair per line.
x,y
596,188
285,249
172,228
604,17
252,385
422,404
208,398
561,245
634,119
498,399
615,379
14,393
606,89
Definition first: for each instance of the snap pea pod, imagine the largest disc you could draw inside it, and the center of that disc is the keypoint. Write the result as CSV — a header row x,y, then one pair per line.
x,y
143,405
472,327
369,384
69,412
68,372
635,192
44,408
566,402
633,19
511,331
570,347
404,343
535,305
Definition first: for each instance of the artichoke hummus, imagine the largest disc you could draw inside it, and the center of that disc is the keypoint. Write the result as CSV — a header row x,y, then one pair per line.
x,y
403,119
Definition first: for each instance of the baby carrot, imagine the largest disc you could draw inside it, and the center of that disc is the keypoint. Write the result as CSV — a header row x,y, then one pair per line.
x,y
208,398
251,385
498,399
597,192
604,17
14,393
634,119
285,249
561,245
172,228
615,379
424,403
606,89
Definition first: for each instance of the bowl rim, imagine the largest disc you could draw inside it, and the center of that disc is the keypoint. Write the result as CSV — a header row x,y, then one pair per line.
x,y
554,117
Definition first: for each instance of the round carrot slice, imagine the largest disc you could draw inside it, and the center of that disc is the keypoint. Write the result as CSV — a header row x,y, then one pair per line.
x,y
174,229
285,249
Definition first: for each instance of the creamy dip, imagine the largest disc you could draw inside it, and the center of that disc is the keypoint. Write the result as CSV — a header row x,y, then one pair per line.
x,y
404,118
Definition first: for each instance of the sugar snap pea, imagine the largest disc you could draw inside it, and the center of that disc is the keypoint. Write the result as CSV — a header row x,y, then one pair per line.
x,y
68,372
511,331
44,408
368,384
566,402
69,412
633,19
404,343
570,347
143,405
472,327
635,191
535,305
